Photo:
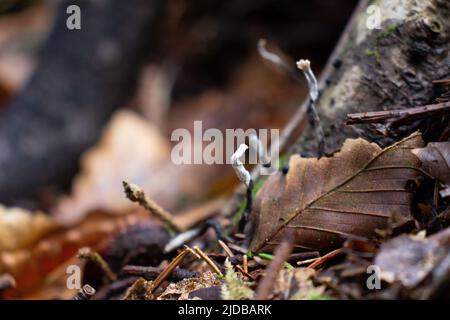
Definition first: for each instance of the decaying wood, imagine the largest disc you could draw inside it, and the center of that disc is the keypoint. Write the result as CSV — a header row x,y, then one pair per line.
x,y
383,69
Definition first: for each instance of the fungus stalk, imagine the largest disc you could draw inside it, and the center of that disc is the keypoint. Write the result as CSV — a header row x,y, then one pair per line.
x,y
305,66
246,178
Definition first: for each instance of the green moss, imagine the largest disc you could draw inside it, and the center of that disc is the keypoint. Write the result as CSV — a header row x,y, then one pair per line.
x,y
375,52
169,229
282,161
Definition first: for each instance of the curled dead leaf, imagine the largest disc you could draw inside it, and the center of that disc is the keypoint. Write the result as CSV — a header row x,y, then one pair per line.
x,y
330,199
435,159
416,262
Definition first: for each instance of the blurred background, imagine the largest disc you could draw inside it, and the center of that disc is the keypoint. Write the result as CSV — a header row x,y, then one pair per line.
x,y
199,62
83,110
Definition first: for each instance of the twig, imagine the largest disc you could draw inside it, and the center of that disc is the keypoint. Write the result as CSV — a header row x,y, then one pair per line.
x,y
151,273
114,288
399,117
322,260
303,255
85,293
89,255
191,251
237,248
281,254
136,194
184,237
226,249
245,273
308,261
168,270
276,60
208,261
444,82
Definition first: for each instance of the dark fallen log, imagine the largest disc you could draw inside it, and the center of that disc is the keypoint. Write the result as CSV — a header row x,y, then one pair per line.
x,y
82,77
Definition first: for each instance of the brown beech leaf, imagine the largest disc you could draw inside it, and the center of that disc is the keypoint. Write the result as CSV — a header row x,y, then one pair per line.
x,y
435,159
330,199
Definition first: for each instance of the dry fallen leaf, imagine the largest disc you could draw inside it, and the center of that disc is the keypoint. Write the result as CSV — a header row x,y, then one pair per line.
x,y
31,266
330,199
435,159
297,284
412,259
130,149
19,228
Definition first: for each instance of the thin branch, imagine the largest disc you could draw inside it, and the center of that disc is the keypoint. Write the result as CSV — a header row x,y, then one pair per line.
x,y
276,60
210,263
168,270
136,194
151,273
90,255
400,116
184,237
322,260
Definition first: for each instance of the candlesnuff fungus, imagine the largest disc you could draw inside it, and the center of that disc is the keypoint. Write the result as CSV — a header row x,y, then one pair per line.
x,y
305,66
238,166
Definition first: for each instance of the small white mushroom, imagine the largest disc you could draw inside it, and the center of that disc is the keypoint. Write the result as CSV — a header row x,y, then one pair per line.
x,y
305,66
242,173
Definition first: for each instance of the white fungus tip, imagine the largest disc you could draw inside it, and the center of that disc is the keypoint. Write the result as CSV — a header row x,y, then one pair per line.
x,y
304,64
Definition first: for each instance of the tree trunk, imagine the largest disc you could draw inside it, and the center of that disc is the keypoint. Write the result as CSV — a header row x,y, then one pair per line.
x,y
382,69
82,77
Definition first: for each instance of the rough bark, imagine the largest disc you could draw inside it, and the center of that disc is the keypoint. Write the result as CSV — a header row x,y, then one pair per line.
x,y
82,77
383,69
